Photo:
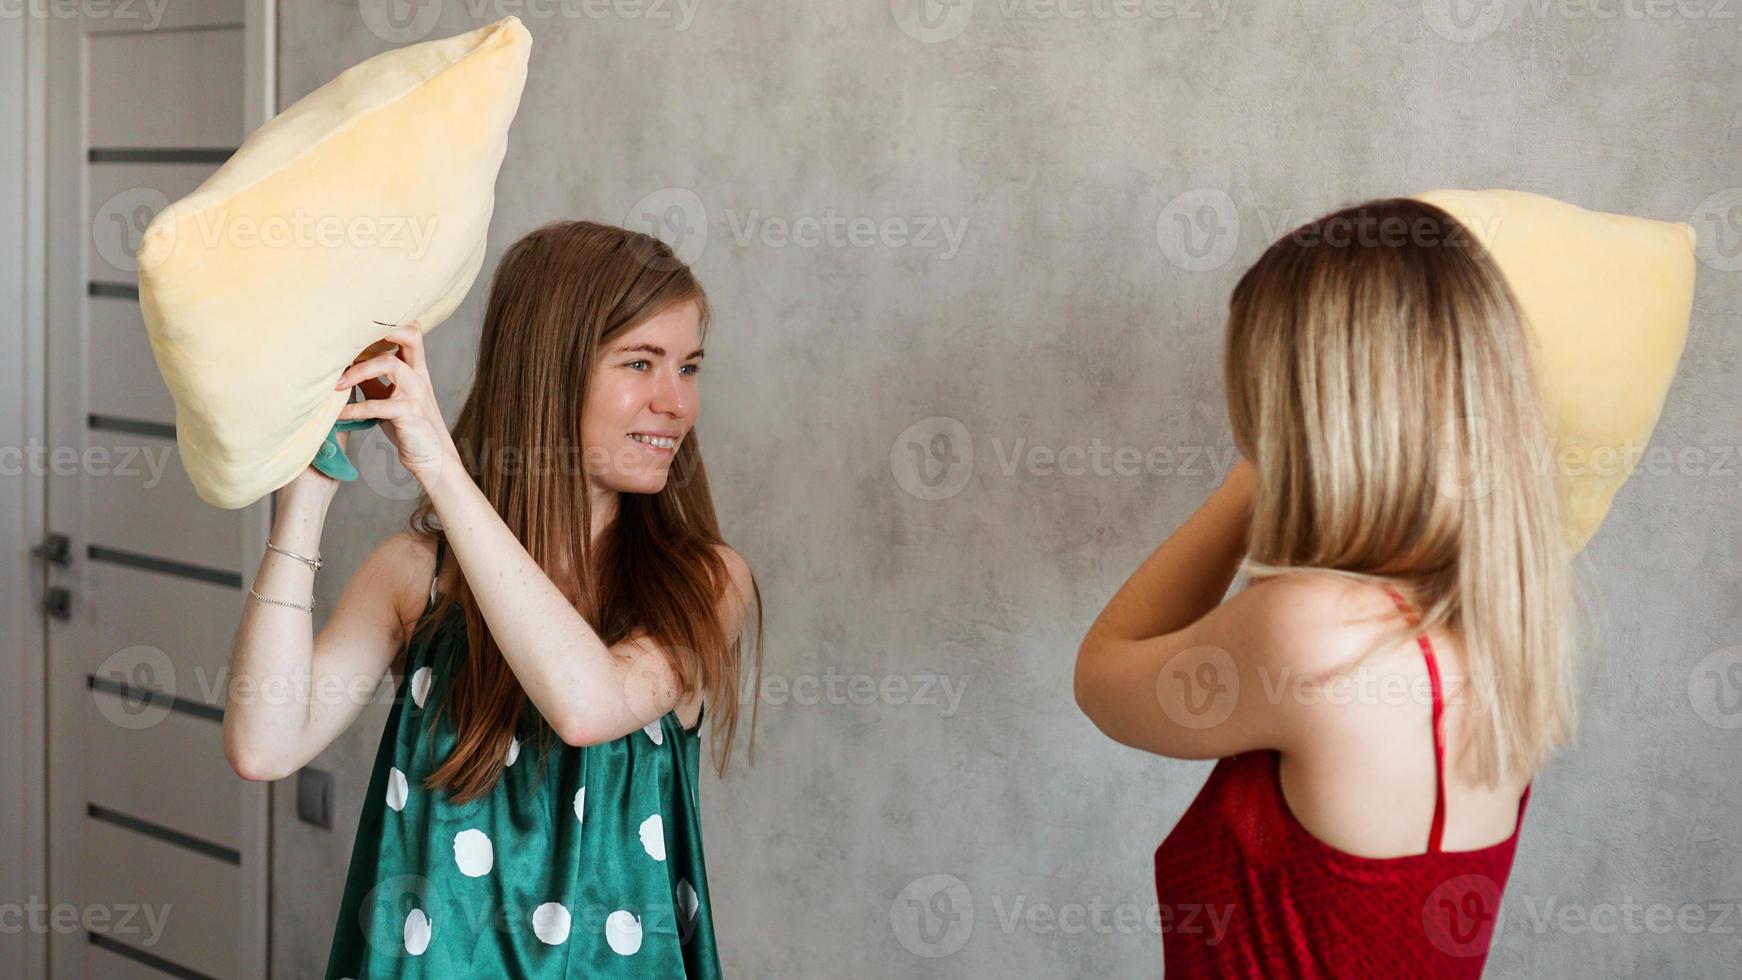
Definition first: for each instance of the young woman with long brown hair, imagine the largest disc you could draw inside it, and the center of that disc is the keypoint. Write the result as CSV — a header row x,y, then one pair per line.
x,y
1398,667
563,585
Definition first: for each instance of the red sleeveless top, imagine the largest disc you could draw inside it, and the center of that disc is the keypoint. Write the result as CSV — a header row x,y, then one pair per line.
x,y
1246,891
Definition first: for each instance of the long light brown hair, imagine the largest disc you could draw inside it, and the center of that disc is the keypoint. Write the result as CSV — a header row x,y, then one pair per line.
x,y
558,297
1383,387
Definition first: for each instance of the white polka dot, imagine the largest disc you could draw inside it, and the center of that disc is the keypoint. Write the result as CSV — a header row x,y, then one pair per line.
x,y
653,732
397,790
623,932
513,752
653,837
473,853
580,803
550,923
420,683
417,930
686,898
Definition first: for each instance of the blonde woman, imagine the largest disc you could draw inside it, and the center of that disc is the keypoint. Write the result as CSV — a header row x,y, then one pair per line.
x,y
1398,667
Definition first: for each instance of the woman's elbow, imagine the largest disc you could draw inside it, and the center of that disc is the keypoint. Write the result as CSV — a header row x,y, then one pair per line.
x,y
580,734
1082,681
602,723
253,766
576,738
255,763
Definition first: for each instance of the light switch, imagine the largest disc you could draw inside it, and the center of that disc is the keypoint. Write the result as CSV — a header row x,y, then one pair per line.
x,y
314,797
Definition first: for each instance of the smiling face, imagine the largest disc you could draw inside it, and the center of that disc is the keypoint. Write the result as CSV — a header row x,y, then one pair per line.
x,y
642,400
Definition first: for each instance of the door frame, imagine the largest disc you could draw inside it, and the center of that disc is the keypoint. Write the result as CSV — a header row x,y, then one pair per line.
x,y
23,686
29,46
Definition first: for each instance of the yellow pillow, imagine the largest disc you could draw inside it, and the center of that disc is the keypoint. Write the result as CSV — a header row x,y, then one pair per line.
x,y
1607,297
368,200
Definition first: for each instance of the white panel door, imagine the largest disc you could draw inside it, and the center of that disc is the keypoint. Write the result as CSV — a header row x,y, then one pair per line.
x,y
159,847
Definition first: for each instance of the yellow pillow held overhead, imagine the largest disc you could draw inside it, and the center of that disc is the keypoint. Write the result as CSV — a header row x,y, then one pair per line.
x,y
1607,298
367,202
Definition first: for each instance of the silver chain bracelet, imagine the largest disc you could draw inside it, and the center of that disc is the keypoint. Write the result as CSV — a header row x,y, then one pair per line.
x,y
314,563
280,602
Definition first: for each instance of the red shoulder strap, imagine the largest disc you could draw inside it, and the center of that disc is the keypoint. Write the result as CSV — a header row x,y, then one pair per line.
x,y
1437,830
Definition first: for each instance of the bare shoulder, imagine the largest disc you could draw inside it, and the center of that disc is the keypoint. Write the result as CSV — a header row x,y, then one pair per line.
x,y
405,562
1315,642
737,574
1311,623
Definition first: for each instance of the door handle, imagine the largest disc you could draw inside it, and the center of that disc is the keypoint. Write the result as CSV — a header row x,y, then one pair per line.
x,y
56,548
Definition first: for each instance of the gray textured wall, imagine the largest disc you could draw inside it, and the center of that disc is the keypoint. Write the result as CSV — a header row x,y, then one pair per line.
x,y
1034,274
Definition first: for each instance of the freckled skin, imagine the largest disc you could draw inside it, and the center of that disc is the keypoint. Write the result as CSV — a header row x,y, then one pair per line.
x,y
638,391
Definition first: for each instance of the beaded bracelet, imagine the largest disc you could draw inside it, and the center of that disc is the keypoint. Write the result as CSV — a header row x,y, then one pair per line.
x,y
280,602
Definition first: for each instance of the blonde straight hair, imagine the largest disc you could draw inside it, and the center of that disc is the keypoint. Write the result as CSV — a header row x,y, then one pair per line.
x,y
1379,378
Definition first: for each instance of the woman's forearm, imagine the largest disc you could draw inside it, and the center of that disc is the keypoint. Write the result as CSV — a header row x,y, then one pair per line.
x,y
267,699
577,683
1189,574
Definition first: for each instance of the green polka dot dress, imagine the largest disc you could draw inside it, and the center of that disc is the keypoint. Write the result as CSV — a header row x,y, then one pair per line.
x,y
589,867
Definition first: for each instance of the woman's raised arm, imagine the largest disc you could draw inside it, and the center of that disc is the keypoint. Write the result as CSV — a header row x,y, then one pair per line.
x,y
290,694
588,692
